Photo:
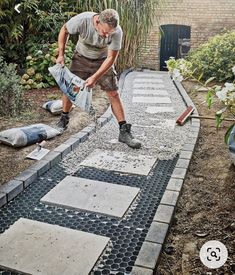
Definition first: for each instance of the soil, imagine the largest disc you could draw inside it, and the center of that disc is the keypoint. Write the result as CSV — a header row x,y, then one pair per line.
x,y
13,160
206,208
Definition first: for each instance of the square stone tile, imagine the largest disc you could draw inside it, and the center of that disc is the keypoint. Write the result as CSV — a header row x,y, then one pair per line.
x,y
151,99
147,80
161,109
148,85
93,196
37,248
119,161
150,92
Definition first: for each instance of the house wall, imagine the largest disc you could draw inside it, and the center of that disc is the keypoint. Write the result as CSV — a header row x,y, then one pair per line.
x,y
205,17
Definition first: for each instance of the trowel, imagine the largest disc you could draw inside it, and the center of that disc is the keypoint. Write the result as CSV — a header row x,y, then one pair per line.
x,y
39,152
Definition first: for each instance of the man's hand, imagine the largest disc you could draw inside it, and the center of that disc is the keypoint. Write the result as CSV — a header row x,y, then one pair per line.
x,y
60,60
90,82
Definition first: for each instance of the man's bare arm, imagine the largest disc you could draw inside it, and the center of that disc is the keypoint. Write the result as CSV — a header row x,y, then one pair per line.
x,y
62,40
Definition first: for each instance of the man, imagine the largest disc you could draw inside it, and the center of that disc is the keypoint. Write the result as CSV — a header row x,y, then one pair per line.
x,y
99,42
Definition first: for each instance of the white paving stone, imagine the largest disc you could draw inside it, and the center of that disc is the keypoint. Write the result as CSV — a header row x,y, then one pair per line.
x,y
147,80
151,99
149,75
148,85
161,124
93,196
150,92
120,162
155,110
34,247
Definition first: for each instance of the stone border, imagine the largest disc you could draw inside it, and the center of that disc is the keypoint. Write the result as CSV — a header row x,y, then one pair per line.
x,y
150,252
14,187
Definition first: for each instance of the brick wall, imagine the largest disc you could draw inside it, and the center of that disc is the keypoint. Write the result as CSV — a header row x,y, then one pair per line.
x,y
205,17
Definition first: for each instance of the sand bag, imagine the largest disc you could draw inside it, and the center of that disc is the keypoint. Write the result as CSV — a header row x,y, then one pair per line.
x,y
53,106
68,83
23,136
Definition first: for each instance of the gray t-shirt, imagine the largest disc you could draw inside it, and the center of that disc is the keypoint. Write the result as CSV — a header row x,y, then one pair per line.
x,y
90,44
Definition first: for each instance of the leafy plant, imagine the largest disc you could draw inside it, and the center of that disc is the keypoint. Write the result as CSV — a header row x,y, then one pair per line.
x,y
37,63
215,58
11,92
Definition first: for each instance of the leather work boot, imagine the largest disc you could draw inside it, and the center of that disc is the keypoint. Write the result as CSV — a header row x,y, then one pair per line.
x,y
63,122
125,136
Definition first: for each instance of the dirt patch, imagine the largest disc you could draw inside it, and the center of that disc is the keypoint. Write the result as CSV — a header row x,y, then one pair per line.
x,y
206,208
13,160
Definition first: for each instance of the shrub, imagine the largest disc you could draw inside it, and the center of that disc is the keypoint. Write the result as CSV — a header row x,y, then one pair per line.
x,y
36,75
215,58
11,92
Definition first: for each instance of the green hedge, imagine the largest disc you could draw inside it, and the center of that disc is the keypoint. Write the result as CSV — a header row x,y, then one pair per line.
x,y
215,58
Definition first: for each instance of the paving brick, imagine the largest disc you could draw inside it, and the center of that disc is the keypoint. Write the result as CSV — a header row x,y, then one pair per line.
x,y
182,163
12,188
27,177
188,147
179,173
102,121
89,129
40,166
73,142
157,232
53,157
148,255
164,213
170,197
136,270
193,134
82,136
175,184
185,154
64,149
3,199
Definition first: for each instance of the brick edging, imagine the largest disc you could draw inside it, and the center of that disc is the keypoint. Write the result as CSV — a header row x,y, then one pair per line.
x,y
14,187
150,252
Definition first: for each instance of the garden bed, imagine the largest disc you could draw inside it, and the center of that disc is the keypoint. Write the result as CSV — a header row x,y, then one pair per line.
x,y
205,209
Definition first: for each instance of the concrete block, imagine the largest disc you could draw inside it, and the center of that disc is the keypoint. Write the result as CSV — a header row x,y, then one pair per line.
x,y
188,147
170,197
179,173
81,136
53,157
12,188
182,163
157,232
73,142
27,177
164,213
63,149
3,199
185,155
40,166
175,184
148,255
136,270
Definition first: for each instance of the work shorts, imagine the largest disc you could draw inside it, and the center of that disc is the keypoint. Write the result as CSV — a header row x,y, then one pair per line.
x,y
85,67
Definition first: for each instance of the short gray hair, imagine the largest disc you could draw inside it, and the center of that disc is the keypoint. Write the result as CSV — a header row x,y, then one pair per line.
x,y
110,17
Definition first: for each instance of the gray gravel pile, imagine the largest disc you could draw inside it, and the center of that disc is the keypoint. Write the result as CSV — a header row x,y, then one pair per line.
x,y
158,133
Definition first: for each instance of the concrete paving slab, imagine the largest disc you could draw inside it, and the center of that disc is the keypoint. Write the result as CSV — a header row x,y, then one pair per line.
x,y
148,86
159,124
148,75
147,80
119,161
136,270
94,196
151,99
161,109
150,92
36,248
